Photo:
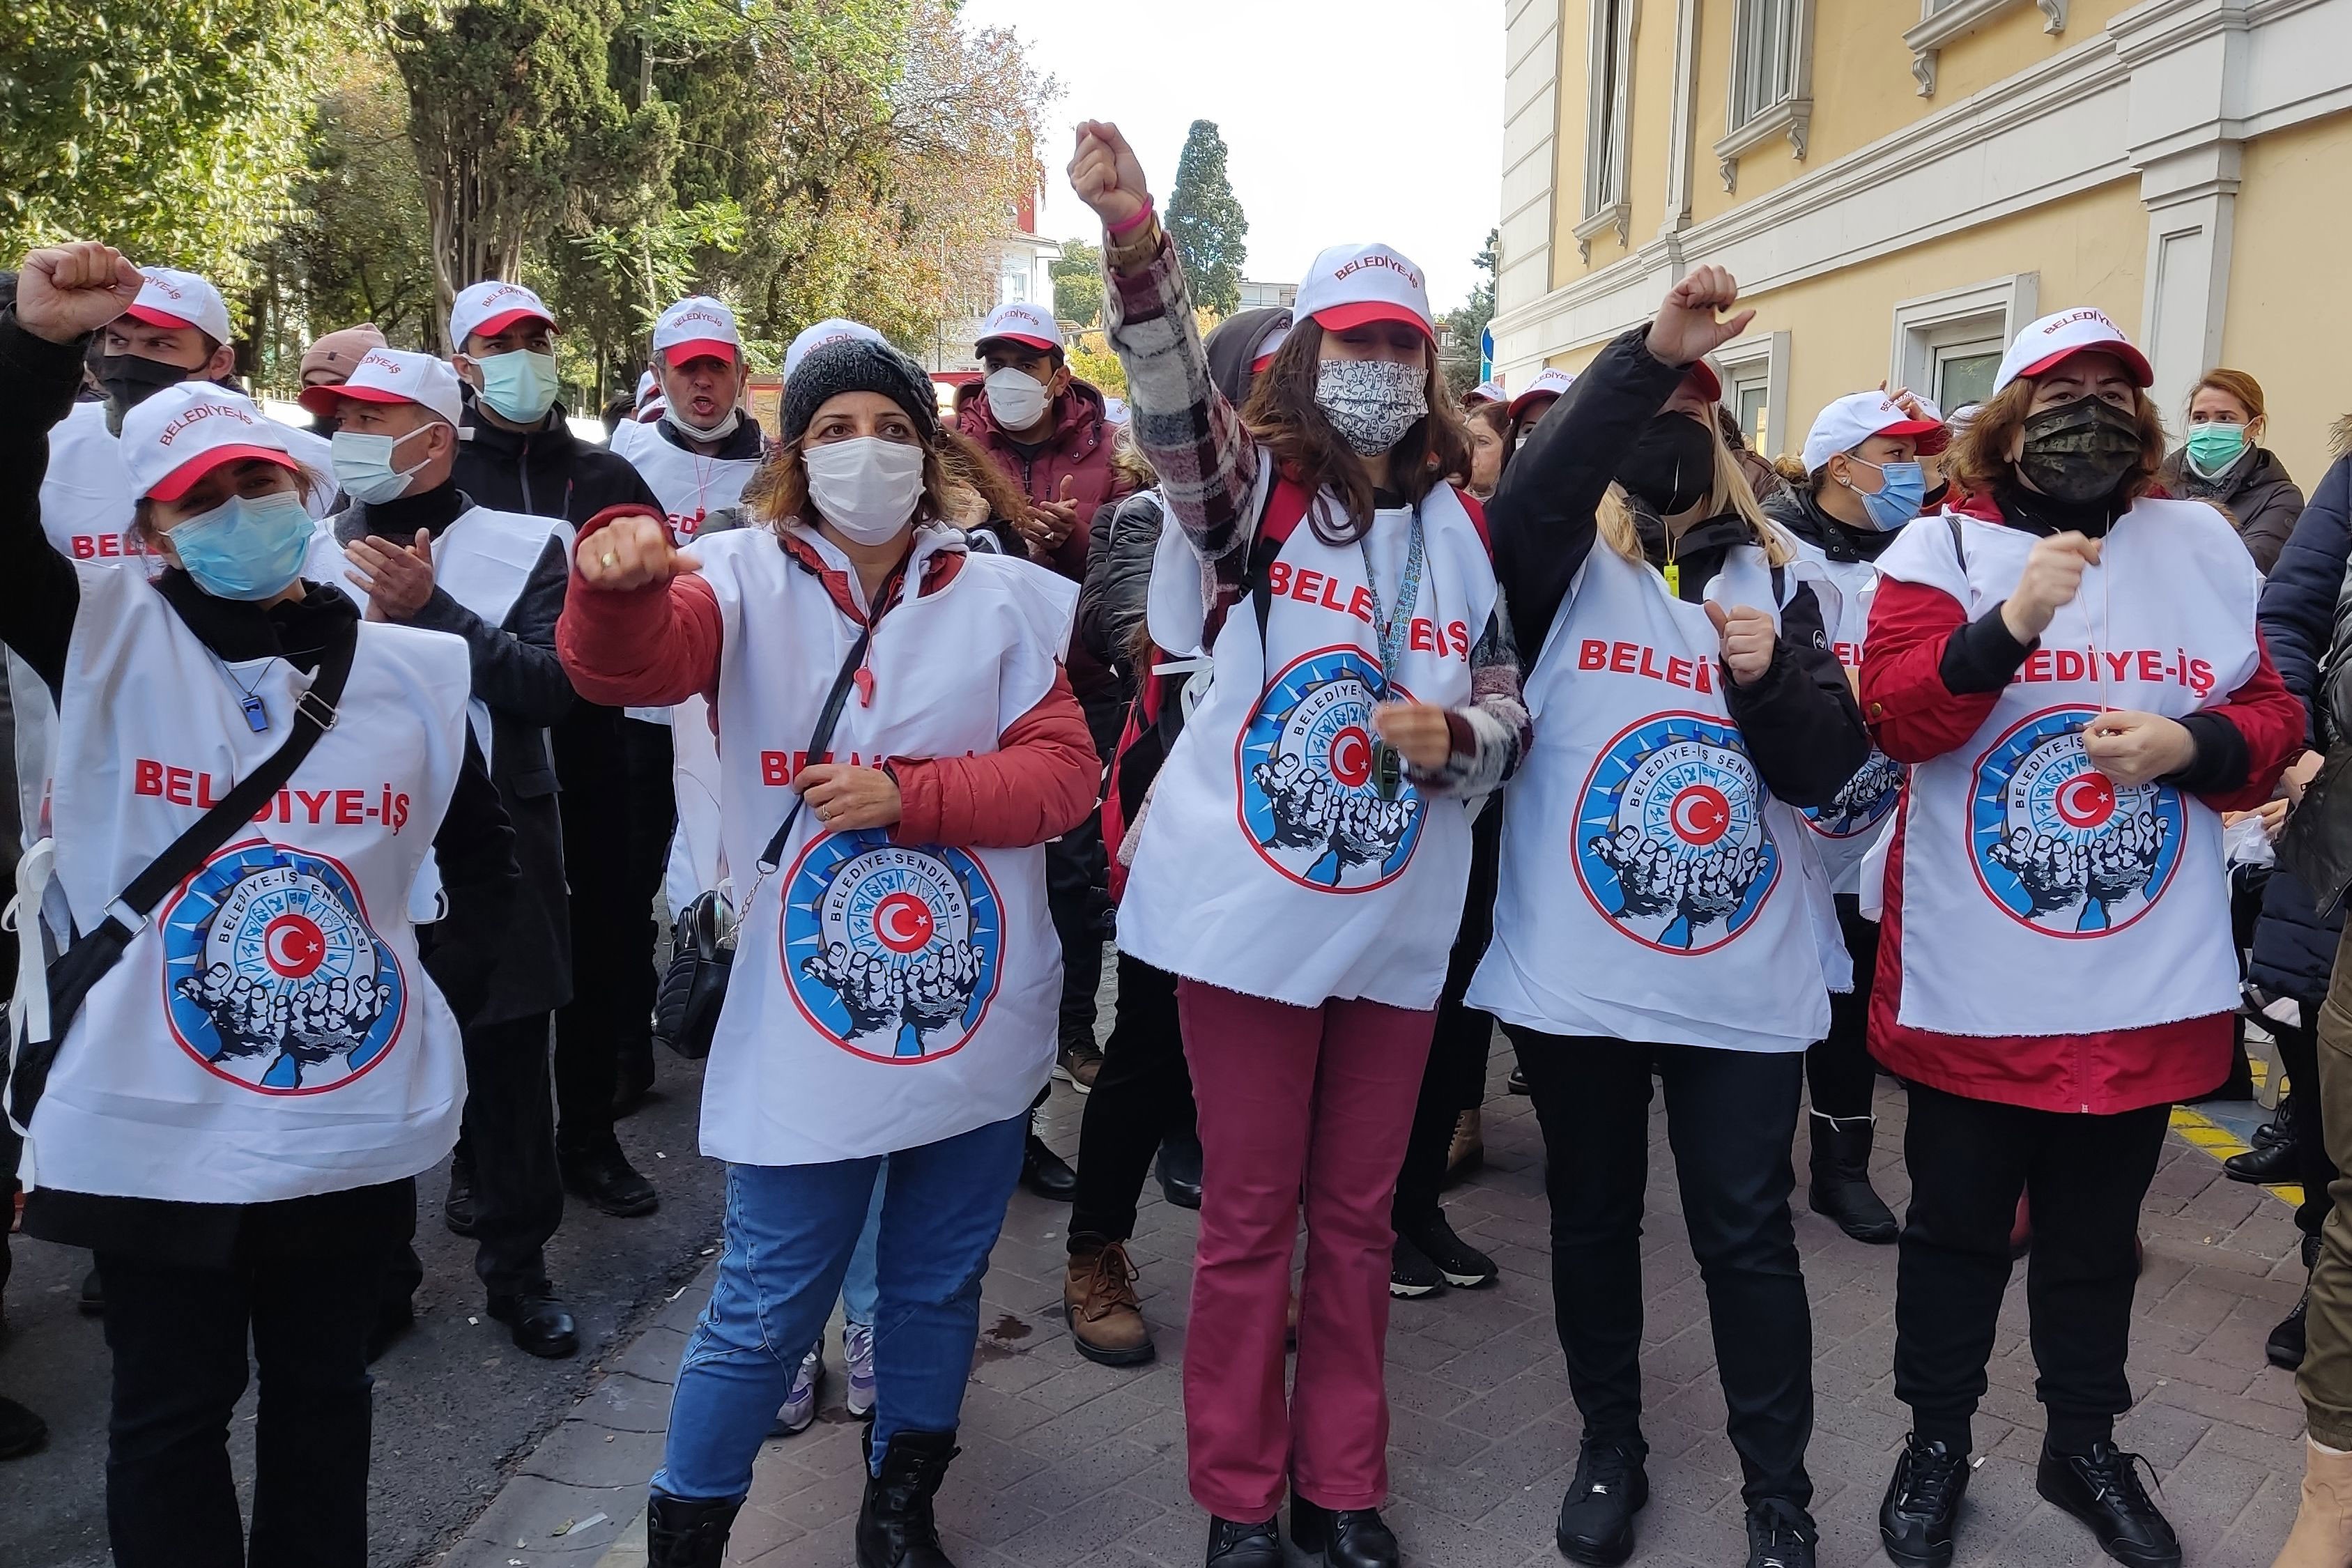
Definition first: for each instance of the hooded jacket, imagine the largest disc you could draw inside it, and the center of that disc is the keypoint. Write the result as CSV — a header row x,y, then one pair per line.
x,y
547,472
2254,492
1078,450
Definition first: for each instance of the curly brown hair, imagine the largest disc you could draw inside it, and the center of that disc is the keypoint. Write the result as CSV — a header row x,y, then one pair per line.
x,y
1283,414
1980,457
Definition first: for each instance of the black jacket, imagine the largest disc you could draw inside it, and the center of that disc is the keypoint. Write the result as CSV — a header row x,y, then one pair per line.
x,y
2255,493
39,598
1795,508
548,472
1112,601
518,677
1801,721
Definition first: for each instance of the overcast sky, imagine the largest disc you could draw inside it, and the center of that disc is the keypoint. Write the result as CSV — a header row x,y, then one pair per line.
x,y
1316,160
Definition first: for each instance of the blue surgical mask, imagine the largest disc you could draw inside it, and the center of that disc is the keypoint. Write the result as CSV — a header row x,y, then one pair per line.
x,y
519,387
363,465
245,549
1897,500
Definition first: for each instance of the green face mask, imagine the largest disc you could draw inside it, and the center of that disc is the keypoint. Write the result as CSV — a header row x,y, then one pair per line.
x,y
2213,448
519,387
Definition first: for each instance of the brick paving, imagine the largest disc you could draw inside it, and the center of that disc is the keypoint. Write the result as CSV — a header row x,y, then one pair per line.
x,y
1069,1464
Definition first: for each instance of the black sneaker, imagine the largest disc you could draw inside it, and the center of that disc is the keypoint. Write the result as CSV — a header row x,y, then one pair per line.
x,y
1779,1535
1596,1517
1235,1545
2101,1487
1410,1273
1464,1265
1922,1504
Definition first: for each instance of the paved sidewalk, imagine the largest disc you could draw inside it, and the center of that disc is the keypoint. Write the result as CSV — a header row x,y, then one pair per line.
x,y
1069,1464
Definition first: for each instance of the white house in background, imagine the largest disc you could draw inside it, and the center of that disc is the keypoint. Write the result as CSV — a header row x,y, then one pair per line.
x,y
1023,271
1259,296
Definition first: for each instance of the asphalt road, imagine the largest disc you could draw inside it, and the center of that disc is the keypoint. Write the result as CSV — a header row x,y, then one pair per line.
x,y
456,1406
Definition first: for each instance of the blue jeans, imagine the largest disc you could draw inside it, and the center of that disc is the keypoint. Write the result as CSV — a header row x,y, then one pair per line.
x,y
861,1289
791,1230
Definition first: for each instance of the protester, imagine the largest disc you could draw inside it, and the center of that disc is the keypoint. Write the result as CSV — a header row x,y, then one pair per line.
x,y
1672,735
2059,827
221,1205
328,360
1307,968
1536,402
517,454
1486,392
415,549
1488,425
2223,461
642,413
1863,484
922,1034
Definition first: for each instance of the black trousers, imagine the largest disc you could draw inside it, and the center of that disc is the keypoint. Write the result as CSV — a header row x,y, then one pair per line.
x,y
509,1142
2298,1049
178,1337
1078,898
1143,1098
648,759
599,827
2085,1177
1838,1069
1455,1080
1730,1118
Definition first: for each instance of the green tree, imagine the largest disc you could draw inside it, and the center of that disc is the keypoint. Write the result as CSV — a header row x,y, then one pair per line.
x,y
1466,322
1206,220
1078,283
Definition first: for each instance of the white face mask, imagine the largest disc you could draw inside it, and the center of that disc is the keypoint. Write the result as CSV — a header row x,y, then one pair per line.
x,y
362,465
1015,397
866,486
718,432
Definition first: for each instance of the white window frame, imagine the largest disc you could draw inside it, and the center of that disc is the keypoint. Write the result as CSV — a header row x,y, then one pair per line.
x,y
1994,311
1791,115
1941,21
1608,122
1764,356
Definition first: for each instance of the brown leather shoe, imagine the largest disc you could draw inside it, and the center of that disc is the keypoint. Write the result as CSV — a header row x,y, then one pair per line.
x,y
1468,1151
1099,1303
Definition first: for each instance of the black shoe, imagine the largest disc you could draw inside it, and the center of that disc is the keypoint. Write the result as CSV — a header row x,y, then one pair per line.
x,y
1180,1171
393,1319
1596,1517
21,1431
2281,1123
635,1080
1232,1545
895,1527
541,1324
1046,1173
1517,1083
2273,1162
1339,1537
1410,1273
2102,1489
682,1533
1779,1535
1916,1517
91,1303
458,1208
2285,1347
1842,1192
1463,1266
603,1174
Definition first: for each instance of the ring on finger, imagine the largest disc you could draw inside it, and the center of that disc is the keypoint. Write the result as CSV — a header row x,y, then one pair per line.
x,y
610,559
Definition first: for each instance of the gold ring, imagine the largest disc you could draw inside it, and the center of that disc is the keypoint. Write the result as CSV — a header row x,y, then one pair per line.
x,y
610,559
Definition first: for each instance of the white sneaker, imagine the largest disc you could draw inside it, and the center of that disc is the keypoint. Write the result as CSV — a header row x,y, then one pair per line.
x,y
857,1350
799,1404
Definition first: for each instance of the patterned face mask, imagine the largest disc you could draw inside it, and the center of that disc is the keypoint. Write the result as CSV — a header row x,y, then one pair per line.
x,y
1370,402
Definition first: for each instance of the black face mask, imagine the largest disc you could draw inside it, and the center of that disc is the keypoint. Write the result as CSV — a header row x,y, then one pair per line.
x,y
2080,451
1672,465
130,380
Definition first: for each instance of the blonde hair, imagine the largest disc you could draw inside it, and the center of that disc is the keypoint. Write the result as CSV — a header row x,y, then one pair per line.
x,y
1731,491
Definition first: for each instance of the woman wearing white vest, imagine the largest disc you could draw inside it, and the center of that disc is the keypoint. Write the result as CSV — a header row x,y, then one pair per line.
x,y
1864,483
2072,670
233,1116
1303,856
896,977
1658,911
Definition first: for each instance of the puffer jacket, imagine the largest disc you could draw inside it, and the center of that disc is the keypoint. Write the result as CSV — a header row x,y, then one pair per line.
x,y
1078,450
1118,583
2255,492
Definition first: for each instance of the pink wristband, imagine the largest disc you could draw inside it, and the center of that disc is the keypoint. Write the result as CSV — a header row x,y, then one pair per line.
x,y
1117,230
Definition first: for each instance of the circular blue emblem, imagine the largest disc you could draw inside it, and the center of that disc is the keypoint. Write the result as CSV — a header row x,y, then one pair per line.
x,y
1310,806
1865,801
1670,843
2057,844
892,953
272,977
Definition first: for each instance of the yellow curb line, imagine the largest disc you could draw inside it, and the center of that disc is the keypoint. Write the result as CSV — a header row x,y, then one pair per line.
x,y
2222,1143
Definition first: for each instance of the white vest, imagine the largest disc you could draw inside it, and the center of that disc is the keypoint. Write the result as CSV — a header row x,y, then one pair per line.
x,y
1648,892
691,486
883,996
2037,897
86,499
1266,862
269,1033
1844,831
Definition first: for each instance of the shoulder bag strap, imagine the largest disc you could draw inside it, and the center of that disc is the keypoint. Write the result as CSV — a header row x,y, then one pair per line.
x,y
819,739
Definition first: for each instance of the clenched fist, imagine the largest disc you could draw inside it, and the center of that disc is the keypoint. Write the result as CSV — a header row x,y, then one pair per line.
x,y
1685,328
1106,174
1748,638
632,551
68,290
2053,576
1418,731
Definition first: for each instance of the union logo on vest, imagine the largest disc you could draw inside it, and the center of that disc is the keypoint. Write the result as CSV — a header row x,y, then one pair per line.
x,y
1863,804
2060,846
272,977
1309,803
1671,845
892,953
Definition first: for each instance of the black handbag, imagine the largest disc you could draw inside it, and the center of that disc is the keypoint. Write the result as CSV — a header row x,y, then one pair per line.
x,y
73,974
702,942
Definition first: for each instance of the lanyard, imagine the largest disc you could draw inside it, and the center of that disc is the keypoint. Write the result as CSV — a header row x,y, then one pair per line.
x,y
1392,627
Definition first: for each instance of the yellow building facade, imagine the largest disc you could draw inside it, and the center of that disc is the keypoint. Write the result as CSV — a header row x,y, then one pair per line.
x,y
1899,185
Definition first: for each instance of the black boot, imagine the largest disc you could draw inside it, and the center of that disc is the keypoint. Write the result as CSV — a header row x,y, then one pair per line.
x,y
600,1172
683,1533
2101,1487
1232,1544
1340,1537
2277,1161
895,1527
1180,1169
458,1208
1596,1517
2285,1347
1916,1518
1841,1190
2281,1121
1046,1173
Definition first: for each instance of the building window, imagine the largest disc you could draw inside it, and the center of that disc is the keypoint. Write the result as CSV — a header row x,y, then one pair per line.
x,y
1947,346
1941,21
1756,389
1964,372
1772,81
1607,117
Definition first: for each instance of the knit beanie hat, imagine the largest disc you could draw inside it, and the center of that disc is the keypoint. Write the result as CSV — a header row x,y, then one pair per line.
x,y
855,364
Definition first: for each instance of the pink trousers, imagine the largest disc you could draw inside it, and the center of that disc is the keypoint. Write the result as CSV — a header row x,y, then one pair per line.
x,y
1294,1100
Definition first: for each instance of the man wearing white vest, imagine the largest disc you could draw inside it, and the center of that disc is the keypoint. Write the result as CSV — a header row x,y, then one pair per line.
x,y
414,549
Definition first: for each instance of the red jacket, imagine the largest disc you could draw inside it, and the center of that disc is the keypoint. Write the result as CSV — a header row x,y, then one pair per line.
x,y
653,647
1915,717
1078,450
